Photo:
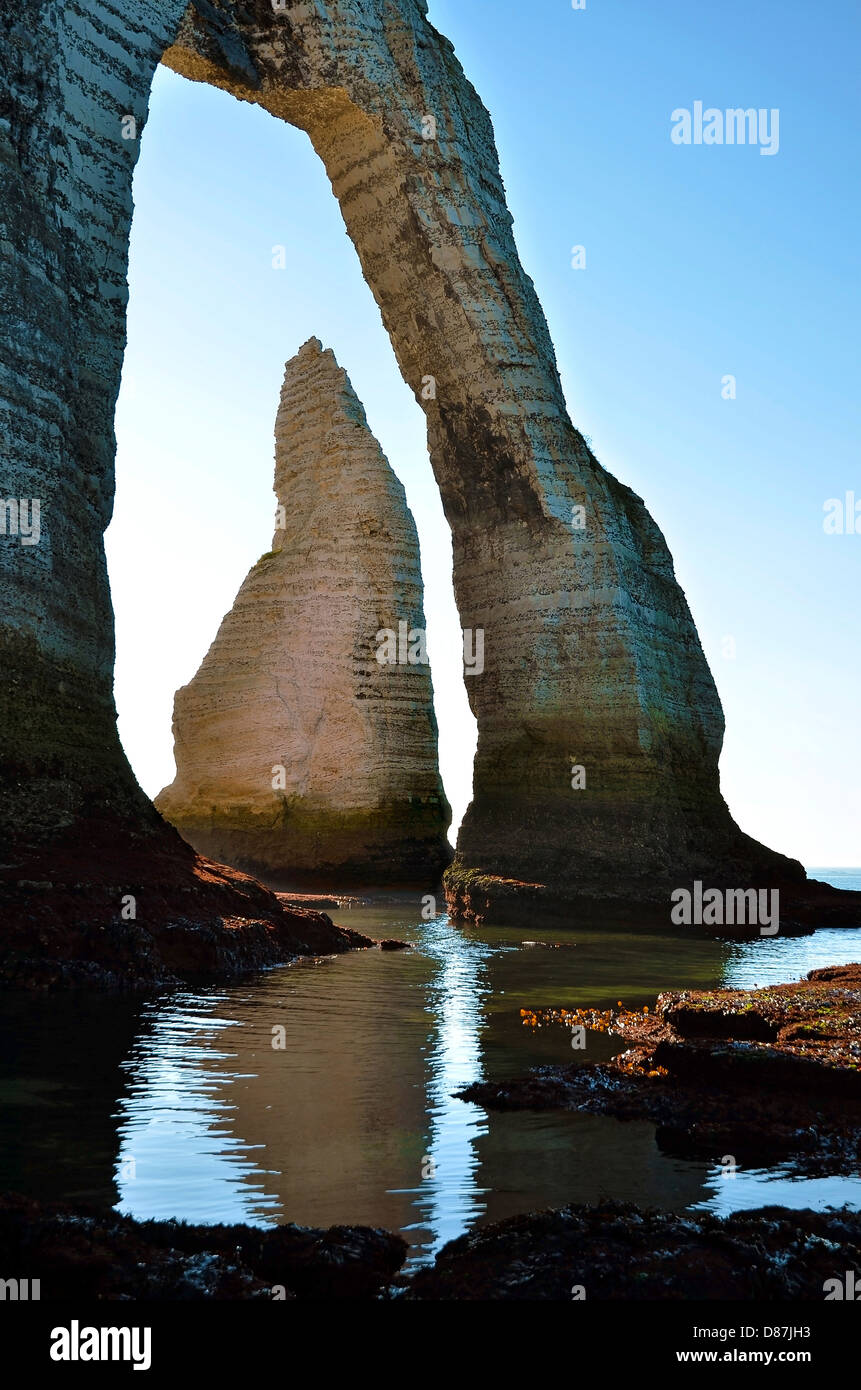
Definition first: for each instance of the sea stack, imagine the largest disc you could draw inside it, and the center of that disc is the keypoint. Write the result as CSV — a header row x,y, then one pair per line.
x,y
301,755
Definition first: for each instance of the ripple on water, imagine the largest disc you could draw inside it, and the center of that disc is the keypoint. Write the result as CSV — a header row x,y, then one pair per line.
x,y
184,1107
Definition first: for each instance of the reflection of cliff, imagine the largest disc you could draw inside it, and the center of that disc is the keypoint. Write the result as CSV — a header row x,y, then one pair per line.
x,y
362,1096
339,1113
337,1126
451,1195
211,1123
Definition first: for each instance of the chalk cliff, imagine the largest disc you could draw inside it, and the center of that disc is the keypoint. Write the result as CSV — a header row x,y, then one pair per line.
x,y
591,655
299,755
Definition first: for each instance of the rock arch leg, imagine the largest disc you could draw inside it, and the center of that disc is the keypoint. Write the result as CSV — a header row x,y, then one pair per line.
x,y
591,653
95,886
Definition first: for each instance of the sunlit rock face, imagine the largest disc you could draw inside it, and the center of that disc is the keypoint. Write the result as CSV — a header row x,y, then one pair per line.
x,y
591,655
301,750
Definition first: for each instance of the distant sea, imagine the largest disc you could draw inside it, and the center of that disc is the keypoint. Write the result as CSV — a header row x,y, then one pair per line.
x,y
840,878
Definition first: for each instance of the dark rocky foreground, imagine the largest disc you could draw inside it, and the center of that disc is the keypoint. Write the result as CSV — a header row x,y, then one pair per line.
x,y
612,1251
88,1254
617,1251
771,1075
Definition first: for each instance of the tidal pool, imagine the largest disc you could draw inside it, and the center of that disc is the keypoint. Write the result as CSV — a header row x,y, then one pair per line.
x,y
184,1105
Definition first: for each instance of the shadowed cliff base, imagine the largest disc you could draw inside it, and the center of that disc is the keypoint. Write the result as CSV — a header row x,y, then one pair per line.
x,y
366,851
144,910
616,896
473,896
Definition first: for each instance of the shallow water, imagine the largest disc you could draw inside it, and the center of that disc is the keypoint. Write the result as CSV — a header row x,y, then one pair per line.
x,y
180,1105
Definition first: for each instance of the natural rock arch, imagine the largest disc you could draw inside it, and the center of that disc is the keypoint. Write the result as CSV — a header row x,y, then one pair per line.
x,y
591,652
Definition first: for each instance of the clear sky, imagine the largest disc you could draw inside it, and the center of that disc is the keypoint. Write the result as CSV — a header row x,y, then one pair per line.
x,y
702,261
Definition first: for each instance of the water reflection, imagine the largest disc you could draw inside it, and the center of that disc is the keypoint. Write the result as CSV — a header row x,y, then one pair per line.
x,y
450,1197
354,1120
761,1187
183,1106
175,1119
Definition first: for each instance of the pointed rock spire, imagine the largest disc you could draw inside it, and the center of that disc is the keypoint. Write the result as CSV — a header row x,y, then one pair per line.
x,y
302,754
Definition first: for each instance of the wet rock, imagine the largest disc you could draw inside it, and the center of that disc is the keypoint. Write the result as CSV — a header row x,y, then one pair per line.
x,y
132,920
321,901
765,1075
616,1251
803,1035
86,1254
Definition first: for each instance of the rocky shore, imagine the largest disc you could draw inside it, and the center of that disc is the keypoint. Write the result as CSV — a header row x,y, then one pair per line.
x,y
85,1254
762,1075
611,1251
145,914
805,904
617,1251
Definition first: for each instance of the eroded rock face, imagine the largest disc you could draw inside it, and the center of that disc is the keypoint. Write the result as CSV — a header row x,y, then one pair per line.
x,y
298,753
591,653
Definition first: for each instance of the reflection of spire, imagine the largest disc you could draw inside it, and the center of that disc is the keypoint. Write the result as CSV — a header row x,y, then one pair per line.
x,y
449,1197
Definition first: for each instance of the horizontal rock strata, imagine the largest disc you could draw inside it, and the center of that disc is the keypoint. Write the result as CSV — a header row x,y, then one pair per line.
x,y
591,656
299,755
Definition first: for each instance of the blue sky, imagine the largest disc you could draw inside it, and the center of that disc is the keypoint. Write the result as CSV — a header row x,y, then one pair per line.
x,y
701,261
